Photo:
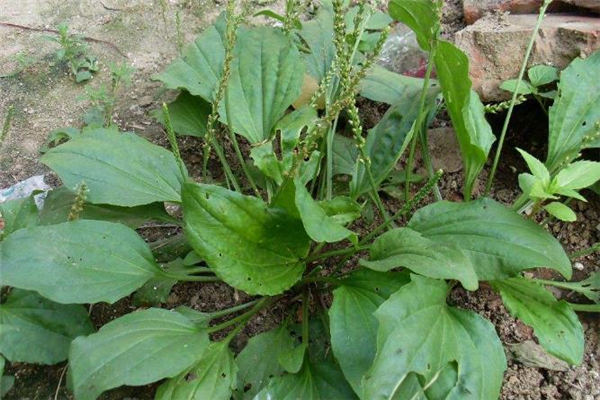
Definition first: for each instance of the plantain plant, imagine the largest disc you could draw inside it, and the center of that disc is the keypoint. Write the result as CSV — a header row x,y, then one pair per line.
x,y
282,225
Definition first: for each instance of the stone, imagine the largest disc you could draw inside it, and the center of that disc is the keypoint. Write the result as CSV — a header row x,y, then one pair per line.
x,y
476,9
496,45
592,5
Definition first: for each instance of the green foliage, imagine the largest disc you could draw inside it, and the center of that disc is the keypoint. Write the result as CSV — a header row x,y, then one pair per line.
x,y
6,381
499,242
353,325
213,377
137,349
437,347
540,77
103,98
97,261
574,115
36,330
18,214
468,117
121,169
307,228
189,115
258,361
75,52
539,186
554,322
252,247
406,248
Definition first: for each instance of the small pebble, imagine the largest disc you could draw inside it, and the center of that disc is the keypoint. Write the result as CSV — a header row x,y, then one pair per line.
x,y
578,266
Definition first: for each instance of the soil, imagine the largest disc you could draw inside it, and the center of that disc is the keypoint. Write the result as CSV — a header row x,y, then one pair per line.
x,y
45,97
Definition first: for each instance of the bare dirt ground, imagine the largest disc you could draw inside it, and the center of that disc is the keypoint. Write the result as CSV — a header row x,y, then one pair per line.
x,y
45,97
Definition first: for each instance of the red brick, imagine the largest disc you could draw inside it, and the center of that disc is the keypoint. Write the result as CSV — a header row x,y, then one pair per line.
x,y
496,47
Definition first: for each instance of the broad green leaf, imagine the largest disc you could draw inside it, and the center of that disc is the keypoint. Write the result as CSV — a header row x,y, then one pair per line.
x,y
570,193
318,225
154,292
319,381
419,333
18,214
135,350
258,363
266,161
353,326
250,246
561,211
525,87
36,330
574,113
387,141
421,16
213,377
6,382
534,187
378,20
266,77
197,317
499,242
345,155
318,35
554,322
289,127
157,289
77,262
386,86
541,75
188,114
589,287
200,68
466,111
536,167
121,169
342,210
579,175
404,247
292,359
59,201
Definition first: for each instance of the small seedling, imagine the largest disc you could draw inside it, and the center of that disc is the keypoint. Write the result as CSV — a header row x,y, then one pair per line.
x,y
541,84
74,52
23,62
103,98
540,186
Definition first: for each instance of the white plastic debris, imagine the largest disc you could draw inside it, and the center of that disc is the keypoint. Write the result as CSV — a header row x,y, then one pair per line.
x,y
401,53
26,188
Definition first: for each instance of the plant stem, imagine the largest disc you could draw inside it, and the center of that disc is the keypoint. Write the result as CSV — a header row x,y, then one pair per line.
x,y
233,309
236,146
334,253
329,158
192,278
419,124
305,311
320,279
406,208
262,303
225,165
513,101
403,211
585,307
585,252
558,284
